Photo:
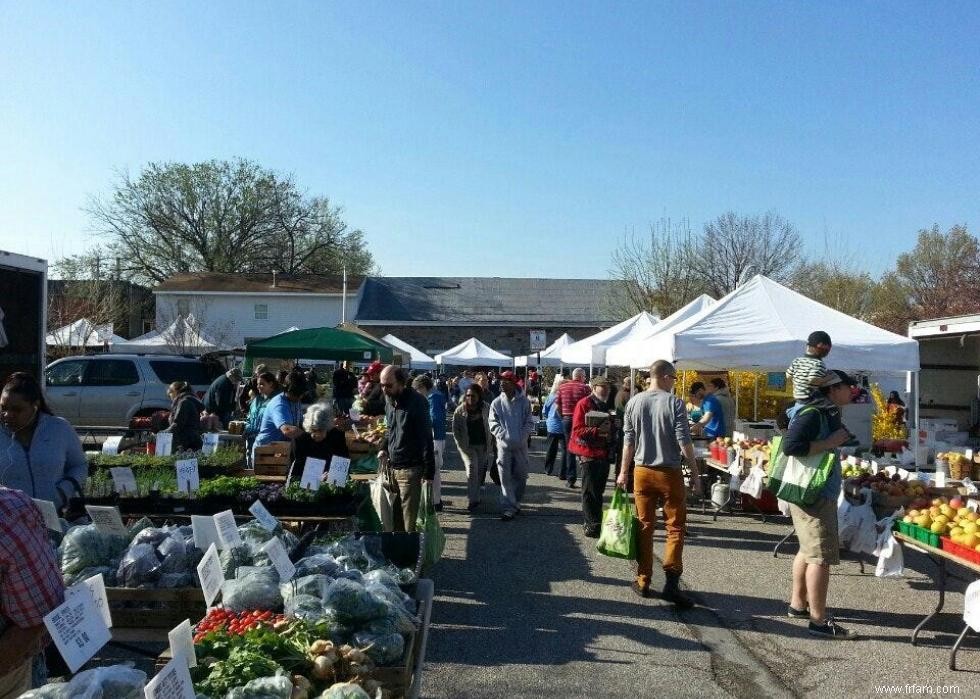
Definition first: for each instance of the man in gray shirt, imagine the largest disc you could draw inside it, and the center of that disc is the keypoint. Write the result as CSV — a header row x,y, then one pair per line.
x,y
655,434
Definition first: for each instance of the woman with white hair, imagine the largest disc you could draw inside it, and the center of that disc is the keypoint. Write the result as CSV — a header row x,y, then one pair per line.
x,y
323,435
556,431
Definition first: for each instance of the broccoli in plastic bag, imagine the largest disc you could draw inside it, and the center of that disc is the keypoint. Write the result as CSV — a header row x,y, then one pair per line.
x,y
87,547
323,563
314,585
172,552
305,607
278,687
253,591
345,690
384,650
140,567
396,597
111,682
352,602
352,554
382,576
107,573
234,558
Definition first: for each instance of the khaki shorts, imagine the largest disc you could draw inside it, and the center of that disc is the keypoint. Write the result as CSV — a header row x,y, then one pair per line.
x,y
816,529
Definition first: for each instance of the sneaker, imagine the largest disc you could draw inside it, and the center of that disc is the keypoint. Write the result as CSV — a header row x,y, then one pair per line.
x,y
643,592
797,613
506,516
592,532
830,629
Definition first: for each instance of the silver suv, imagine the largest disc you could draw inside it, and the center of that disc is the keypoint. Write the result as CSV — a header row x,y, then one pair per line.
x,y
109,390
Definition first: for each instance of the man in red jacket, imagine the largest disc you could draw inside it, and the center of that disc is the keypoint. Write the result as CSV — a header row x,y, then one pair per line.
x,y
591,445
569,394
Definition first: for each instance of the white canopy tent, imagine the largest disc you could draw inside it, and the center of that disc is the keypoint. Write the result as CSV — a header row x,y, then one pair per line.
x,y
763,326
621,354
472,352
547,357
417,358
592,350
83,333
181,337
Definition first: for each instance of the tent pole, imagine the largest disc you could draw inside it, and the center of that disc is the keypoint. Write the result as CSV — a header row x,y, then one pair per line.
x,y
756,407
735,373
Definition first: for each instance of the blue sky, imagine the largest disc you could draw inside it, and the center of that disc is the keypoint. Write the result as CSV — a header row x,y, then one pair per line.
x,y
506,139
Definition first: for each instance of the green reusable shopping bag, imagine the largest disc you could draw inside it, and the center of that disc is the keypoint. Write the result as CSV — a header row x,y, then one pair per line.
x,y
620,528
427,524
798,479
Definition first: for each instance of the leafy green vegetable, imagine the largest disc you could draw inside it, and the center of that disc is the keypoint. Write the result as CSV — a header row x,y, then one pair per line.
x,y
226,486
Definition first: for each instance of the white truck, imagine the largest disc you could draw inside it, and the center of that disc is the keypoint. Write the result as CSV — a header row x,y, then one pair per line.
x,y
945,396
23,314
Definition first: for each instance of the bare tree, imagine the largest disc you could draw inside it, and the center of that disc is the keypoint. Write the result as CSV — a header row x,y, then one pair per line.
x,y
734,247
658,272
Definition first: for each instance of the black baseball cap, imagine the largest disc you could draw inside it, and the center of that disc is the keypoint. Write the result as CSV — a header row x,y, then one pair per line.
x,y
836,376
819,337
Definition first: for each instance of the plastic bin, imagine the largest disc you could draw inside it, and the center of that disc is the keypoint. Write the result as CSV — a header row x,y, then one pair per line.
x,y
960,551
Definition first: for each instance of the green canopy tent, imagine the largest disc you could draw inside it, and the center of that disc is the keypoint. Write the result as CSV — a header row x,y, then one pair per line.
x,y
318,343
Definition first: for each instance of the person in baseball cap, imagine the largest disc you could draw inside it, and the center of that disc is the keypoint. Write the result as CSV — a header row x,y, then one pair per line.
x,y
807,373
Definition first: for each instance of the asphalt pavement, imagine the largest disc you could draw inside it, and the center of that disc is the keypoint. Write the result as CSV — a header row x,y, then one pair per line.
x,y
529,609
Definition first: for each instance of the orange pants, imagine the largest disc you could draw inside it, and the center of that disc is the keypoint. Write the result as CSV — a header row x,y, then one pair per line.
x,y
653,487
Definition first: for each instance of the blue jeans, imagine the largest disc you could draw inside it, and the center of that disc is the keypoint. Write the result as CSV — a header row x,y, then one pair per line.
x,y
569,468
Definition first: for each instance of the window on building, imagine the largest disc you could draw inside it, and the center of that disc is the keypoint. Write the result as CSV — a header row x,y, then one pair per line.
x,y
183,308
261,311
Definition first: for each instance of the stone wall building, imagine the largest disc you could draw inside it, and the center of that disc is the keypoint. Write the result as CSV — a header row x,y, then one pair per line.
x,y
436,313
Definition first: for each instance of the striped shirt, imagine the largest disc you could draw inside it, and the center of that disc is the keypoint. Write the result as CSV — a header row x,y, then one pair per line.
x,y
806,373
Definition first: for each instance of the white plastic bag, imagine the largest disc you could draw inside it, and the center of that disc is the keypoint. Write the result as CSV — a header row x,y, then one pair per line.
x,y
856,524
891,562
754,483
783,507
383,501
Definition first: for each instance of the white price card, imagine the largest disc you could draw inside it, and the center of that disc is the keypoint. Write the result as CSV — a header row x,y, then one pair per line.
x,y
164,444
210,444
172,682
312,473
280,559
227,530
971,606
940,479
107,520
339,468
182,643
78,630
111,445
904,474
205,531
187,477
124,479
209,571
263,516
94,586
50,514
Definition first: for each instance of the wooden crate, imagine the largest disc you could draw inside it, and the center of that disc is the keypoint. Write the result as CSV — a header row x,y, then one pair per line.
x,y
397,679
273,459
154,609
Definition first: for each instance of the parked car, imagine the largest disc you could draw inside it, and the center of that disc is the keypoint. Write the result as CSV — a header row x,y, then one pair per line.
x,y
109,390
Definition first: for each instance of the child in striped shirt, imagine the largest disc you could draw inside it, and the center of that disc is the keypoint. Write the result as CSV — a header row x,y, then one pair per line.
x,y
808,372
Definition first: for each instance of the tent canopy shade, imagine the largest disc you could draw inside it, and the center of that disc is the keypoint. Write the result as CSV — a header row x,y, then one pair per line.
x,y
472,352
83,333
548,357
417,358
317,343
592,350
183,336
622,353
763,326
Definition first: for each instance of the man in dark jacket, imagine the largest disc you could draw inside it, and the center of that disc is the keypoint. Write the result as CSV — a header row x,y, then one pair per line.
x,y
591,445
407,445
344,387
220,398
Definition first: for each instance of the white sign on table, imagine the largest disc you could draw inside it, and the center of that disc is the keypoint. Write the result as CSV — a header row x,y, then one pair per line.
x,y
280,559
210,444
263,516
940,479
227,530
164,444
94,586
187,476
209,571
904,474
339,470
971,606
111,445
78,630
107,520
205,531
124,479
50,514
172,682
312,473
182,643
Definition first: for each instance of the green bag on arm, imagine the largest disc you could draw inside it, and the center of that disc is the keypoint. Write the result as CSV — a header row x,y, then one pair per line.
x,y
427,524
620,528
798,480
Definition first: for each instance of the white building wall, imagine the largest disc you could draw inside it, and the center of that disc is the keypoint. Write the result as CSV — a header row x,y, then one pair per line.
x,y
231,318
